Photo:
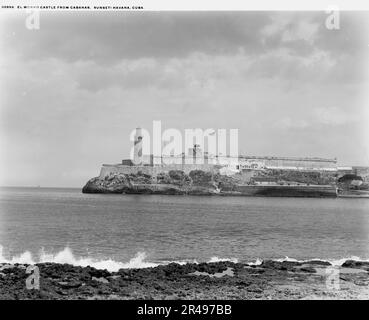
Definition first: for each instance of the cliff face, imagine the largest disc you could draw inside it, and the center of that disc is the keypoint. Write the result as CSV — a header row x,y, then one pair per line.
x,y
173,182
199,182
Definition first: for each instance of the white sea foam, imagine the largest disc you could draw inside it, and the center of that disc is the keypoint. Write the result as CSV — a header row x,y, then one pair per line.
x,y
339,262
138,261
290,259
24,258
67,256
257,262
334,262
216,259
181,262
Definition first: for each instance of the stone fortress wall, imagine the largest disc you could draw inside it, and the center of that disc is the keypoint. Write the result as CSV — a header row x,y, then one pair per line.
x,y
246,167
196,159
291,163
240,167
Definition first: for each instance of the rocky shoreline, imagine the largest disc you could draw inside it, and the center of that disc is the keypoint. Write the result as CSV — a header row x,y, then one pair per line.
x,y
218,280
198,182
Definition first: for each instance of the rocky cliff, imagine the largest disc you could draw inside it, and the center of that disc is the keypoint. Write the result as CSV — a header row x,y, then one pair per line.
x,y
199,182
173,182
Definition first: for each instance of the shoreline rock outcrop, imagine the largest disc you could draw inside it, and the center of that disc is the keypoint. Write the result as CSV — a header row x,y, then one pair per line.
x,y
198,182
216,280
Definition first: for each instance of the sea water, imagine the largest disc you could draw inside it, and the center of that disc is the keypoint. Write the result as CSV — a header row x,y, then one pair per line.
x,y
133,231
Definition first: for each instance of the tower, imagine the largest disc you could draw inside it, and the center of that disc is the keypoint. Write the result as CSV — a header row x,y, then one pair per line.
x,y
137,156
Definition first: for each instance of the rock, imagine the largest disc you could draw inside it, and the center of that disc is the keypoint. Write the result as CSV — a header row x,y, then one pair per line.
x,y
254,288
356,264
197,182
174,281
318,263
203,182
7,266
61,292
202,178
70,285
98,273
280,265
307,269
115,185
102,280
179,177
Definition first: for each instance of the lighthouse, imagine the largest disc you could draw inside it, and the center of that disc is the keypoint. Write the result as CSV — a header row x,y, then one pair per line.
x,y
137,155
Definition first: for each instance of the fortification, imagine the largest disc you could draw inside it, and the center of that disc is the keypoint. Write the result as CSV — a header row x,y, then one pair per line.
x,y
290,163
196,159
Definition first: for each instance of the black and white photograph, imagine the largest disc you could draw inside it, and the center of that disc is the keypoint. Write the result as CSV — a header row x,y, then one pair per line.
x,y
183,154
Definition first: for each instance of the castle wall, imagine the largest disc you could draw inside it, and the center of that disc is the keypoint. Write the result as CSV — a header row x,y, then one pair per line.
x,y
291,163
253,163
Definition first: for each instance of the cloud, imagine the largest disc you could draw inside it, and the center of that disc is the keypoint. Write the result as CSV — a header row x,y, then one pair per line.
x,y
288,123
109,37
334,116
153,49
303,30
72,91
319,117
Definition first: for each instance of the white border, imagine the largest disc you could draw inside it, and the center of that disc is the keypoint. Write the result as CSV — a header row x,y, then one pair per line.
x,y
200,5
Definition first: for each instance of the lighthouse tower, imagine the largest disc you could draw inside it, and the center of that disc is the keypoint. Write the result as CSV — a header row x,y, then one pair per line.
x,y
137,155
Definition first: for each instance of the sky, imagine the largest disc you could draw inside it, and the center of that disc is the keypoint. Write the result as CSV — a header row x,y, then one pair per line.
x,y
72,91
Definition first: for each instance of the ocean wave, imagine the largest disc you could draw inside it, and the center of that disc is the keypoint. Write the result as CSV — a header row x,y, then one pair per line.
x,y
334,262
216,259
138,261
257,262
66,256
